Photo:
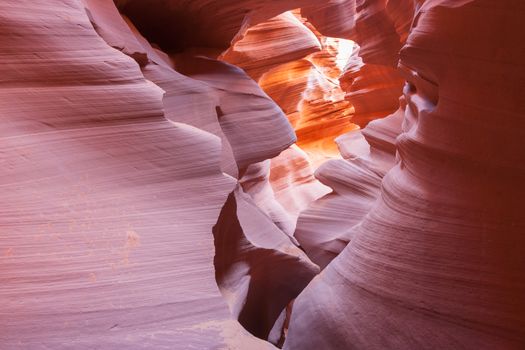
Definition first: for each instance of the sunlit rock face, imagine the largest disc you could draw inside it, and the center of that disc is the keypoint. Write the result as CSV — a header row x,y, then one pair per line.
x,y
298,174
309,92
299,69
326,226
371,80
266,45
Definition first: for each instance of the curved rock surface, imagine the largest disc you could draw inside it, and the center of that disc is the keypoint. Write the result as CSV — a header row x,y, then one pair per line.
x,y
293,182
299,68
324,228
372,89
283,187
380,28
158,181
98,189
242,111
185,100
308,91
438,262
179,25
118,221
258,270
279,40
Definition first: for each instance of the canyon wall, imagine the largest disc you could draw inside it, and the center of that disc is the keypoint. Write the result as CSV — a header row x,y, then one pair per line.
x,y
345,174
438,261
117,170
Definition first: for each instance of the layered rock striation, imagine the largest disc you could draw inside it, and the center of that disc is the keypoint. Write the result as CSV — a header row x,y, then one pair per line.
x,y
438,260
345,174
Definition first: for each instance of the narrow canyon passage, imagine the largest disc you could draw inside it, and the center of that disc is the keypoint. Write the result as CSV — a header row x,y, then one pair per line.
x,y
262,174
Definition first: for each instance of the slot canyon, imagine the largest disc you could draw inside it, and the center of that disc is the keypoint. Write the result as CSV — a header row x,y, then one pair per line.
x,y
262,174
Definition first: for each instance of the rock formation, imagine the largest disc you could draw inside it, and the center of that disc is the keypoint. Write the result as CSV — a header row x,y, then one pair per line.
x,y
96,184
259,174
325,227
438,262
114,232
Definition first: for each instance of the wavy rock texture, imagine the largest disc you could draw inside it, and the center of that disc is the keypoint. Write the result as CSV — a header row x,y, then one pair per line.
x,y
285,84
208,25
98,189
293,183
332,18
256,183
324,228
438,262
372,89
283,187
299,68
242,110
251,254
308,91
380,28
128,191
154,196
323,112
269,44
185,100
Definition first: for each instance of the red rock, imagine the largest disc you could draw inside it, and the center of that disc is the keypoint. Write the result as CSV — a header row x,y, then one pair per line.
x,y
213,25
246,114
185,100
371,81
106,200
156,196
259,270
438,262
277,41
373,90
293,183
326,226
308,92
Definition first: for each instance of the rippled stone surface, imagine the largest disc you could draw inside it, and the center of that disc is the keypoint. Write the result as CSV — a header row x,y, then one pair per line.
x,y
340,174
